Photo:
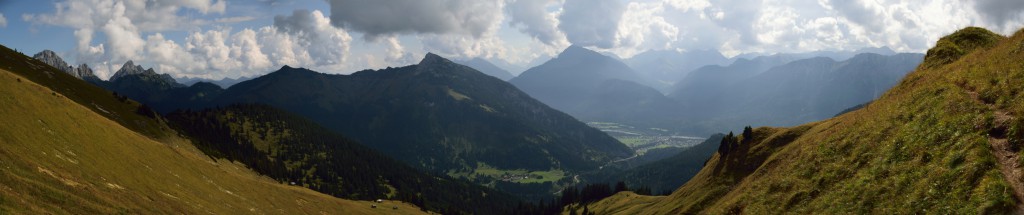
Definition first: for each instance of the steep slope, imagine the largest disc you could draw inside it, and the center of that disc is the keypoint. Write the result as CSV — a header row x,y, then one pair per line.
x,y
487,68
796,92
945,140
61,157
595,87
292,149
100,101
437,115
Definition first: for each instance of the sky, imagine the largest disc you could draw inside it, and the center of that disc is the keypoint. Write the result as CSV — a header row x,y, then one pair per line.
x,y
231,38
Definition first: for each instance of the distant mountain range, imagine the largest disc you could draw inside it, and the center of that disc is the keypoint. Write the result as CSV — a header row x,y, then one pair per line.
x,y
663,68
486,67
436,115
223,82
448,118
945,139
718,98
595,87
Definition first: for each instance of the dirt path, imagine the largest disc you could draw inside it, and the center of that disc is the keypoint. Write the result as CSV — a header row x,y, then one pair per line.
x,y
1006,155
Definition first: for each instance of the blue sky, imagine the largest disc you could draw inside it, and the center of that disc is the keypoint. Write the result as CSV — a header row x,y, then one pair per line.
x,y
228,38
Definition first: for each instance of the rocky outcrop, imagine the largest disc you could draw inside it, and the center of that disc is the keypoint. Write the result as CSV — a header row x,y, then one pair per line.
x,y
164,81
50,58
129,68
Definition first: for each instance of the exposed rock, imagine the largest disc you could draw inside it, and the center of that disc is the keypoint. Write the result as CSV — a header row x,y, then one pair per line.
x,y
164,81
50,58
129,68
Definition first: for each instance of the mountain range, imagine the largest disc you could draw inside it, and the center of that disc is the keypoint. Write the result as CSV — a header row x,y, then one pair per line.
x,y
71,147
943,140
223,82
81,72
486,67
881,133
435,115
594,87
718,98
663,68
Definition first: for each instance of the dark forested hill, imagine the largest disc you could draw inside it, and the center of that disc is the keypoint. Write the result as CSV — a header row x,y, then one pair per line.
x,y
436,115
295,150
670,173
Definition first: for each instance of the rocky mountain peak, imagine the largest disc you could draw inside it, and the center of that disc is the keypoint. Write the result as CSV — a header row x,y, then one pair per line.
x,y
431,59
51,58
129,68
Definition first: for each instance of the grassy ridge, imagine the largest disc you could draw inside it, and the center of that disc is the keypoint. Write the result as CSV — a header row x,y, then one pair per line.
x,y
88,95
923,147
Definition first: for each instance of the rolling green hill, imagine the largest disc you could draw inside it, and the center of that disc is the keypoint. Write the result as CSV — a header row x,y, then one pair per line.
x,y
67,147
945,140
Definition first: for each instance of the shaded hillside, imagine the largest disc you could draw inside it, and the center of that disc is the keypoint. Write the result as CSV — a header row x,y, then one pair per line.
x,y
436,115
796,92
292,149
945,140
595,87
79,153
671,172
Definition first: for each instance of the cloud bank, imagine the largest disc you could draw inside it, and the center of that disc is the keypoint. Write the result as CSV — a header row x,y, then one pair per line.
x,y
397,32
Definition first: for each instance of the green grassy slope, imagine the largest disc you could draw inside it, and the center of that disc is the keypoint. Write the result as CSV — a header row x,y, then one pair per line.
x,y
88,95
58,156
926,146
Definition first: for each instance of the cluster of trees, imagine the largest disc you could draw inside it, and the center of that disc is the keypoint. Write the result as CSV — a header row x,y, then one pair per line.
x,y
731,141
